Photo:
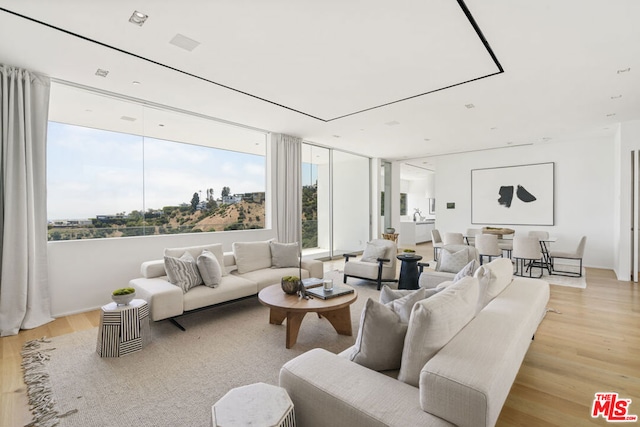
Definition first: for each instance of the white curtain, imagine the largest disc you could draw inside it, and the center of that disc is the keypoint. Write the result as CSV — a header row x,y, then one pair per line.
x,y
288,157
24,109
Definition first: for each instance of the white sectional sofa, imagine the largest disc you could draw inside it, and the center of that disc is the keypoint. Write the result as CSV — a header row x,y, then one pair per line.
x,y
466,381
245,271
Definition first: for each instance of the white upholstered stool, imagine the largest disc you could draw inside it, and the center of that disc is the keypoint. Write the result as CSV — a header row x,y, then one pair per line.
x,y
259,405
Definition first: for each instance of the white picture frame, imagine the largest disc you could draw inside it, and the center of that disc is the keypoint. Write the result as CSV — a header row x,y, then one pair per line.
x,y
531,201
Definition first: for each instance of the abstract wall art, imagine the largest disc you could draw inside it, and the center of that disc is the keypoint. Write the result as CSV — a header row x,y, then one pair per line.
x,y
513,195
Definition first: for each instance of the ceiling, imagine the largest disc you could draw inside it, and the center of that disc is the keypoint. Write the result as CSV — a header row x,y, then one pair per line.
x,y
390,79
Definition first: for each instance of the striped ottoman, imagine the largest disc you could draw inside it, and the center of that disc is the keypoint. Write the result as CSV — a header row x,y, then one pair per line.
x,y
123,328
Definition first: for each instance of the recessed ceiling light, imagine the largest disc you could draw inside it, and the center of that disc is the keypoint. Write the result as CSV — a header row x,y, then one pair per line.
x,y
88,110
336,136
616,97
624,70
611,114
427,139
510,142
138,18
161,125
469,106
101,73
546,138
494,128
128,119
184,42
135,83
392,123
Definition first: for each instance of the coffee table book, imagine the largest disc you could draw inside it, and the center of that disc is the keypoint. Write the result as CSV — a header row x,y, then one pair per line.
x,y
335,292
312,282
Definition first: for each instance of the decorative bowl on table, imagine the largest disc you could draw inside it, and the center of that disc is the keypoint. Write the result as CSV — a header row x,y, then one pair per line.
x,y
390,230
123,296
290,284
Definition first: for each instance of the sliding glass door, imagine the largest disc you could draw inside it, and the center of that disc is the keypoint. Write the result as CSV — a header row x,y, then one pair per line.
x,y
351,213
335,202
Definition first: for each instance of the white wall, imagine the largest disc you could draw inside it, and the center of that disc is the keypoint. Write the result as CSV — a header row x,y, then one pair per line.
x,y
584,192
627,140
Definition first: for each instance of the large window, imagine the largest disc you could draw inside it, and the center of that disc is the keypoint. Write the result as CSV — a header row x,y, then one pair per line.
x,y
335,202
116,170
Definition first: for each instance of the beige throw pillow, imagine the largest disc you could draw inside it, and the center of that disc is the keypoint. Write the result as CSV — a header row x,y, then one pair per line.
x,y
452,262
434,321
284,254
209,269
373,252
251,256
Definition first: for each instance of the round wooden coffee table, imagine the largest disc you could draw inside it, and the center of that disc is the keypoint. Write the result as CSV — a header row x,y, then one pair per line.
x,y
291,307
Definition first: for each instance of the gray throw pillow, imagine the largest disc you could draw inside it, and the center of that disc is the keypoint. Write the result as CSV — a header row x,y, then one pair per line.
x,y
380,338
183,271
402,306
373,252
452,262
284,254
209,269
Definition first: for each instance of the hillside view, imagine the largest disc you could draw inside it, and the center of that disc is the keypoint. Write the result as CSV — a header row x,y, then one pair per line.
x,y
231,212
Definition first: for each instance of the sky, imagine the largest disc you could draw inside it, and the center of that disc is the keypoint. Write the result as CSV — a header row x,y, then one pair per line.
x,y
95,172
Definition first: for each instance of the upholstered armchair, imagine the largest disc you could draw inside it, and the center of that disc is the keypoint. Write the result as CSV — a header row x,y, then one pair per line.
x,y
378,263
453,258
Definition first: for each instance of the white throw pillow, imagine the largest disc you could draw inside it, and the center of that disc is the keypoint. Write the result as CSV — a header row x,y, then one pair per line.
x,y
387,294
501,271
183,271
434,321
452,262
373,252
467,270
380,338
484,277
209,269
284,254
251,256
195,251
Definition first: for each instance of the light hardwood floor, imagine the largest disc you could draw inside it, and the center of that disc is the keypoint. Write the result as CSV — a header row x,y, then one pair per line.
x,y
592,345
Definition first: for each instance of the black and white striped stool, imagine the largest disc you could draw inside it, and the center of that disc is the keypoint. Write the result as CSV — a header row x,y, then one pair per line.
x,y
123,328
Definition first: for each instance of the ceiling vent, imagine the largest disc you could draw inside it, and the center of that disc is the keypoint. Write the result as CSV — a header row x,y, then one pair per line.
x,y
128,119
184,42
101,73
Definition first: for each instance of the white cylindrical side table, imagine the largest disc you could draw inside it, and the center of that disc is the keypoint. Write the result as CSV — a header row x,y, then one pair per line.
x,y
123,328
259,405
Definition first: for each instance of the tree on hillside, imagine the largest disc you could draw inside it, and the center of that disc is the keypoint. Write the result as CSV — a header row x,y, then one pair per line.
x,y
194,201
226,191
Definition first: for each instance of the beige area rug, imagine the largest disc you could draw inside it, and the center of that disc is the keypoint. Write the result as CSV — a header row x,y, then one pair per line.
x,y
176,379
553,279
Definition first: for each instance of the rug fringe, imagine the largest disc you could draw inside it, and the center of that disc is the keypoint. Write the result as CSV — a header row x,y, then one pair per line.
x,y
553,310
36,378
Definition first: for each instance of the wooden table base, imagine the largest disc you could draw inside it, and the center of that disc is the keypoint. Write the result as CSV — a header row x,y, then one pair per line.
x,y
340,319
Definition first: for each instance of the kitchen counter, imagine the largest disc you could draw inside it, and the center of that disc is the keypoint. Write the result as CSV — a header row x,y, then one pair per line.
x,y
412,233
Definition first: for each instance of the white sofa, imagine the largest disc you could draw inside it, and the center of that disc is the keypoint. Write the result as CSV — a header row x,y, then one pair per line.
x,y
245,278
465,383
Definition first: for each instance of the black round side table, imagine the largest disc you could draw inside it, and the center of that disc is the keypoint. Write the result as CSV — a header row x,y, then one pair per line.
x,y
408,271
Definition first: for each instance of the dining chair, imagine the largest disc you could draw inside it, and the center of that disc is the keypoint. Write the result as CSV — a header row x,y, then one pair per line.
x,y
527,255
471,235
541,235
436,240
487,246
453,239
577,254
